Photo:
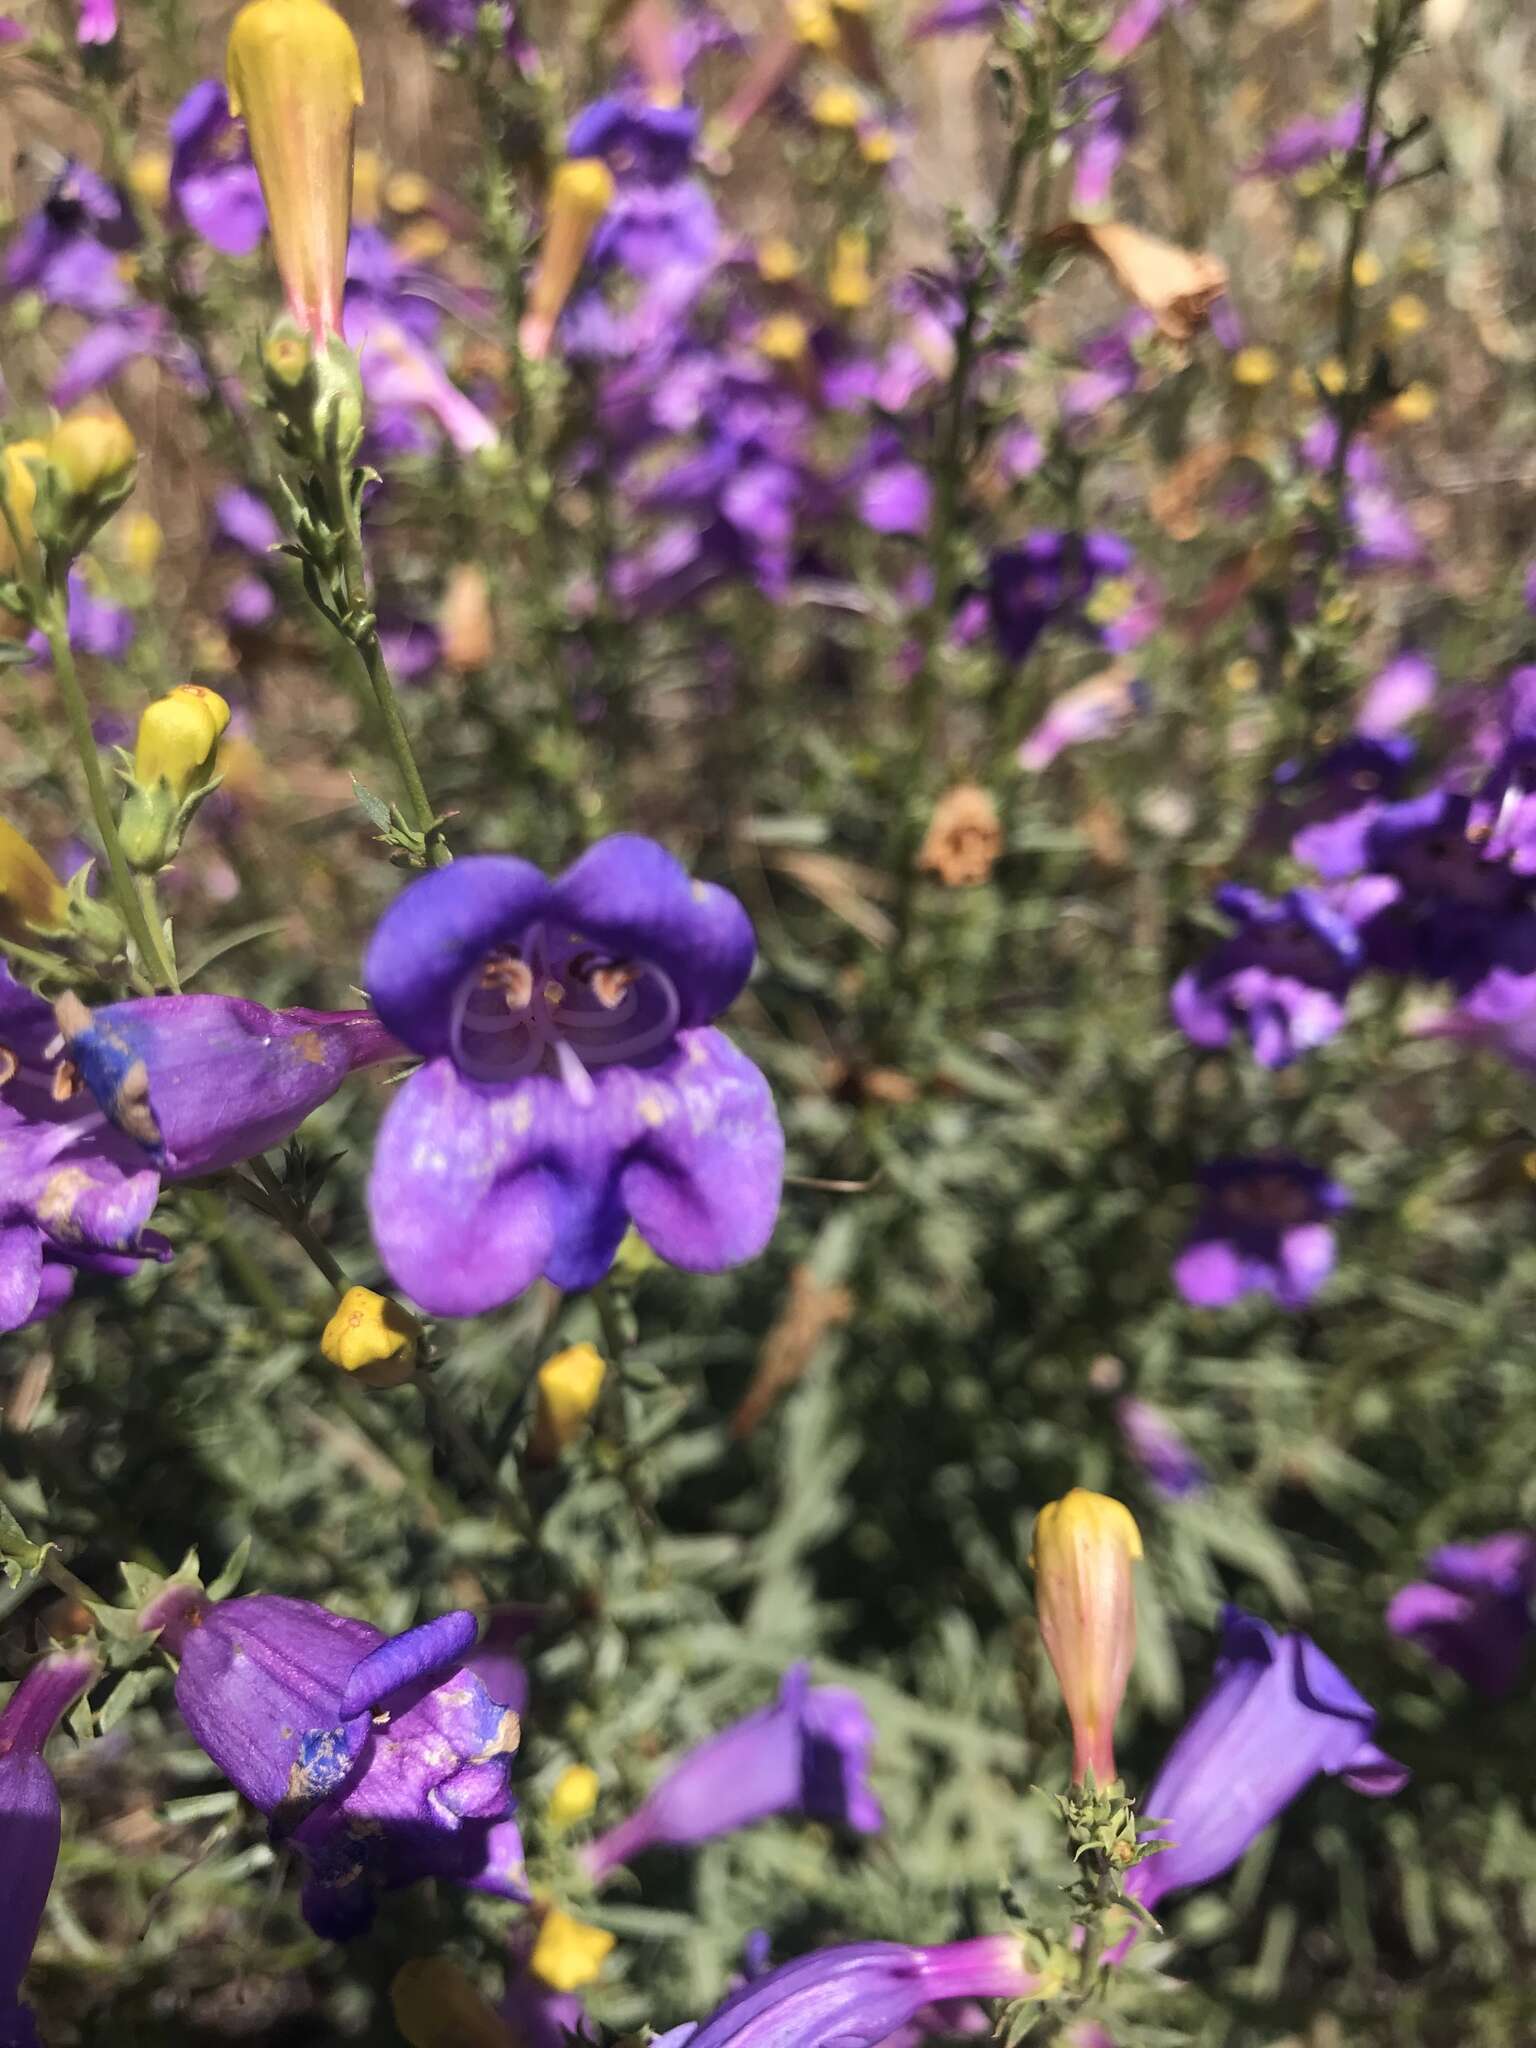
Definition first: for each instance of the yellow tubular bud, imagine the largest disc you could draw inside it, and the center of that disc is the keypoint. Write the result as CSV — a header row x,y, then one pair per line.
x,y
580,193
436,2006
295,76
574,1797
32,897
372,1337
178,738
568,1387
849,284
877,146
568,1952
94,453
1083,1551
19,485
464,620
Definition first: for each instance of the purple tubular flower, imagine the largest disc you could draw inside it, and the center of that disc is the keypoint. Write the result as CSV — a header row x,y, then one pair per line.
x,y
857,1995
1282,977
538,2015
1158,1448
1473,1612
1311,140
67,251
202,1082
30,1823
213,179
74,1195
1048,576
1461,905
807,1753
1497,1015
1346,791
1134,23
1396,694
242,520
1278,1712
572,1083
382,1759
1264,1227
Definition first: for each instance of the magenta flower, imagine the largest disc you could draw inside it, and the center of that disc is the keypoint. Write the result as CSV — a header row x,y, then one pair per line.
x,y
381,1759
202,1082
96,21
807,1753
572,1083
30,1823
1473,1611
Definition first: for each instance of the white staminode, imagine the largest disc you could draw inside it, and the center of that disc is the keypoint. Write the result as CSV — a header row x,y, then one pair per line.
x,y
556,1004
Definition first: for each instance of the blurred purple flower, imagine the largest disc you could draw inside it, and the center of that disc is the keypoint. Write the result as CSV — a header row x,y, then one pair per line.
x,y
67,252
1473,1612
30,1822
243,520
1159,1449
1396,694
202,1082
1131,27
392,318
1111,366
213,179
1104,129
95,21
1282,977
807,1753
1278,1712
1049,577
960,17
1497,1015
571,1082
1341,795
1095,710
1460,913
1264,1227
381,1759
1310,140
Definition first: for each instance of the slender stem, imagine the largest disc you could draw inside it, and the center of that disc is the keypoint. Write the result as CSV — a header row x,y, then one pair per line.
x,y
146,936
283,1211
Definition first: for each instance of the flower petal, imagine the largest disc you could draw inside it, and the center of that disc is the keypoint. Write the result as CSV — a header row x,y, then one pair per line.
x,y
405,1658
435,931
21,1274
629,895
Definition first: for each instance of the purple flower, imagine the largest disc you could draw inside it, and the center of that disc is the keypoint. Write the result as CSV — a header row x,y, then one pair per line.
x,y
1159,1450
1094,710
67,251
857,1995
74,1195
381,1759
1282,977
213,179
807,1753
1310,140
538,2015
959,17
1473,1612
1498,1015
572,1083
1264,1227
96,21
1343,794
1132,25
1049,576
30,1822
1396,694
1103,131
1278,1712
1460,909
202,1082
243,520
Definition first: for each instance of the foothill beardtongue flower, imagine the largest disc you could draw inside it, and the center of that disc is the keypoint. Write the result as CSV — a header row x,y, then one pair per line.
x,y
381,1759
572,1083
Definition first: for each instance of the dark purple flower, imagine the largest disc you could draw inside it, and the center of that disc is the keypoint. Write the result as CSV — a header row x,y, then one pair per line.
x,y
74,1195
1158,1449
1341,795
1473,1612
571,1084
202,1082
807,1753
1278,1712
381,1759
1460,911
1282,977
1265,1226
213,179
857,1995
30,1822
1049,576
538,2015
67,251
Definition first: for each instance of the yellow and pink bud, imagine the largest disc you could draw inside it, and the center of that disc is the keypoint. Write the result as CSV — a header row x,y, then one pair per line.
x,y
580,193
1084,1547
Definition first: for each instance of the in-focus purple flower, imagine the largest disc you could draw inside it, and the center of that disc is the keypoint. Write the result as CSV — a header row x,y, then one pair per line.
x,y
67,252
1264,1227
1339,797
807,1753
1049,576
572,1083
858,1995
1282,977
1159,1449
381,1759
30,1824
1396,694
75,1196
1278,1712
1473,1612
213,178
202,1082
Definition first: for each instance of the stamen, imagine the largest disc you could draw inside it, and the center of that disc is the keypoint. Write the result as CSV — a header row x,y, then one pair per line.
x,y
577,1080
10,1066
611,983
66,1083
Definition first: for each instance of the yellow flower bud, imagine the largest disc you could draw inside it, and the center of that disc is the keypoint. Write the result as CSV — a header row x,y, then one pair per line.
x,y
32,898
1366,270
406,192
568,1953
811,22
580,193
849,284
568,1387
574,1797
1243,675
149,174
877,146
1332,375
835,106
94,454
295,76
783,338
372,1337
178,739
1408,313
19,484
1415,404
436,2006
142,542
1083,1550
1255,366
778,260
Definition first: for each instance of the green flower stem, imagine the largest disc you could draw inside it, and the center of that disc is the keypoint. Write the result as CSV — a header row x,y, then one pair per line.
x,y
282,1210
145,932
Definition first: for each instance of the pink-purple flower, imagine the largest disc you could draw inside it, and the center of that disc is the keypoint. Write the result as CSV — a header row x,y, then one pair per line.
x,y
1472,1610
